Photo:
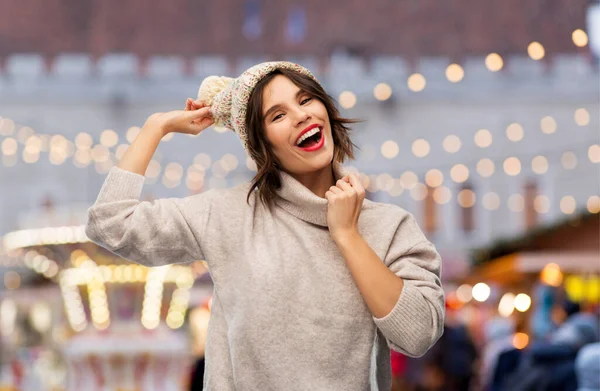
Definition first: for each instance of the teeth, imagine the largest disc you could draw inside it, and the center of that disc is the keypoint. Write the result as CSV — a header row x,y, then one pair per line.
x,y
306,135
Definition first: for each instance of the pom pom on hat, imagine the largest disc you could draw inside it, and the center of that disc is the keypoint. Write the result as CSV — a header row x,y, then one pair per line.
x,y
215,91
211,86
228,97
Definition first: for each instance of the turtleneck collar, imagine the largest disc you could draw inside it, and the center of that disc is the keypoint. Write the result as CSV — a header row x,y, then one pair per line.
x,y
299,201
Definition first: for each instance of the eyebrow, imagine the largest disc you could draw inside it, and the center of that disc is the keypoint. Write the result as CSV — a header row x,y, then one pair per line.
x,y
278,105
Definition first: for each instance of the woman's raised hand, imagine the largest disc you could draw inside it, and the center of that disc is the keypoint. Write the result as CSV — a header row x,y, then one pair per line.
x,y
192,120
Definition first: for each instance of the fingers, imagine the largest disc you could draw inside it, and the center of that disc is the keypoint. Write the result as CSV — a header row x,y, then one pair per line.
x,y
344,185
198,113
191,104
335,190
356,184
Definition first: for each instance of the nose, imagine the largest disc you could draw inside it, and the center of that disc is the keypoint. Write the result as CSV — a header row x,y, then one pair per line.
x,y
301,116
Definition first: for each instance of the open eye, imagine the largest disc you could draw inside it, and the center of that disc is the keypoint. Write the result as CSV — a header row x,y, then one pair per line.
x,y
277,117
305,101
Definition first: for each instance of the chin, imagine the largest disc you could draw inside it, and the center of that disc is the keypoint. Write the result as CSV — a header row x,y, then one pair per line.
x,y
320,162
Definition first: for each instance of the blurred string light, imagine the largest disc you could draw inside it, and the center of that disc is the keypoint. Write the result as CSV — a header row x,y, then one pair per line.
x,y
494,62
541,204
109,138
7,127
514,132
153,296
420,147
548,125
101,153
62,148
390,149
481,292
73,303
100,313
347,99
551,275
491,201
409,179
9,146
454,73
459,173
536,51
512,166
593,204
419,192
180,299
44,236
434,178
568,160
416,82
12,280
442,195
8,316
485,167
382,92
539,165
40,264
568,205
520,341
464,293
506,306
580,38
483,138
522,302
24,133
582,117
132,133
594,153
466,198
452,144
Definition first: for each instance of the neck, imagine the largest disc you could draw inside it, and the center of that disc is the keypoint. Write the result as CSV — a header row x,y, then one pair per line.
x,y
317,181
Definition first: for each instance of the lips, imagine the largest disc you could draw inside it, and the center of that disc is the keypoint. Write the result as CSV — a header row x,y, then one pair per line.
x,y
315,147
308,129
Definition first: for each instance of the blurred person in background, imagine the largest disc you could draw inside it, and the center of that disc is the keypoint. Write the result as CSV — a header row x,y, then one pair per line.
x,y
457,355
550,365
587,367
450,364
498,339
309,277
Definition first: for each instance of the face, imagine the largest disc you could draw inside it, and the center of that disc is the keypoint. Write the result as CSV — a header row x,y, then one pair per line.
x,y
297,126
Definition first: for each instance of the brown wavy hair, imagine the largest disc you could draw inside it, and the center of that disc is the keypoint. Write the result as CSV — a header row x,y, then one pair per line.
x,y
267,179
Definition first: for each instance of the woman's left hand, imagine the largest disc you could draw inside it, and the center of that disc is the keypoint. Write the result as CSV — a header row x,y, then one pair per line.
x,y
345,201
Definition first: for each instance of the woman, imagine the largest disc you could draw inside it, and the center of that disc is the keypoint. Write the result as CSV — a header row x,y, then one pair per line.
x,y
312,283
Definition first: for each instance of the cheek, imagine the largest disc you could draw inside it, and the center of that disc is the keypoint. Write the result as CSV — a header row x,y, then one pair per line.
x,y
278,137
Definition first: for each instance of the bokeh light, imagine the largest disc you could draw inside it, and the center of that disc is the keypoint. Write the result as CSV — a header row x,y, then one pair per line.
x,y
420,148
494,62
536,51
416,82
483,138
481,292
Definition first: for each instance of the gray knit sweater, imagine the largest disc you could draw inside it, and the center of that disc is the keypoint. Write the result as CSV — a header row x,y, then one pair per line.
x,y
286,313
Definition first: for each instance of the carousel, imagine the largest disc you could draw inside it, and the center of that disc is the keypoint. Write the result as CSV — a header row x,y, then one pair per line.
x,y
102,322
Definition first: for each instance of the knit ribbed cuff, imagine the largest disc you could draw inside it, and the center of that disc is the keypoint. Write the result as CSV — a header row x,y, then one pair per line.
x,y
409,324
121,185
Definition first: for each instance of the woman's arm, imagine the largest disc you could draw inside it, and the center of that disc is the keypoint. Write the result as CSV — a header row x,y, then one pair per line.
x,y
192,120
155,233
403,290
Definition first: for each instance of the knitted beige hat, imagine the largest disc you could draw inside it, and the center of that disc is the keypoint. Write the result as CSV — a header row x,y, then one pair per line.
x,y
228,97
